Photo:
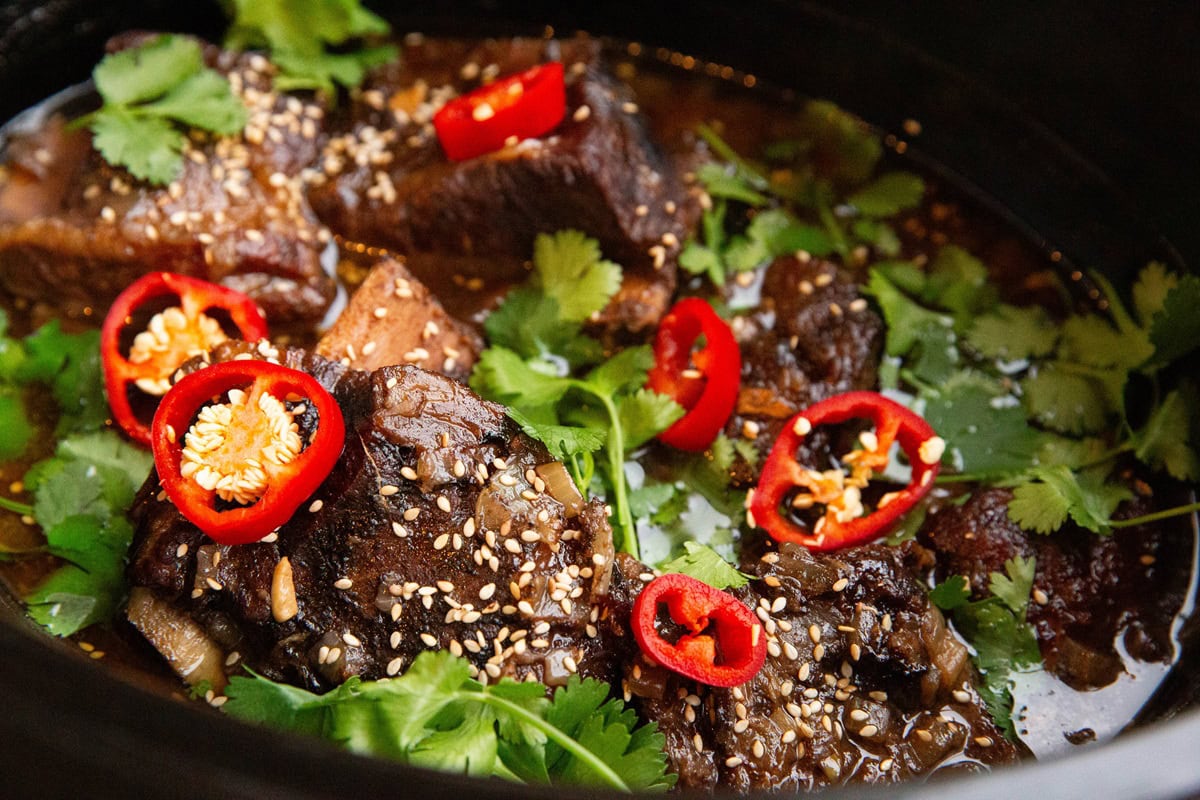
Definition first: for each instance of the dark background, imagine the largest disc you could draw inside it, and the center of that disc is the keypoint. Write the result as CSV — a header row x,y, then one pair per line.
x,y
1119,81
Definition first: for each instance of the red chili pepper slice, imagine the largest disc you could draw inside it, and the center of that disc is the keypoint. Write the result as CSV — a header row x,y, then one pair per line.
x,y
724,644
846,521
174,335
705,381
523,105
230,454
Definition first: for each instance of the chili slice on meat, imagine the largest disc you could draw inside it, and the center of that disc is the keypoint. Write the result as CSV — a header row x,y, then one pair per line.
x,y
705,381
523,105
723,644
846,520
172,336
230,452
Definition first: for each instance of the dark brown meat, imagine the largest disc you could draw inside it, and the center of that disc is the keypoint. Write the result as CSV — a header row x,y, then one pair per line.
x,y
74,231
812,336
1090,592
389,185
470,552
863,682
394,319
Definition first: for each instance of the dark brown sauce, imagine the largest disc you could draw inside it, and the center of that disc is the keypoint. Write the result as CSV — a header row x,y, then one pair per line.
x,y
676,97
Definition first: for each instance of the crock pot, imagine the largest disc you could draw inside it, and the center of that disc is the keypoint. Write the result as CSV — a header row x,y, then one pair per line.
x,y
71,728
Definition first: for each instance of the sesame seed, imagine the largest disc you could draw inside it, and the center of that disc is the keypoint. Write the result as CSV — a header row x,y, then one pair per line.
x,y
399,530
923,735
581,113
841,584
819,652
698,743
738,727
411,514
315,506
983,741
343,583
886,764
351,639
213,584
814,633
1040,597
441,541
387,490
733,761
181,551
408,473
429,639
962,696
868,731
443,503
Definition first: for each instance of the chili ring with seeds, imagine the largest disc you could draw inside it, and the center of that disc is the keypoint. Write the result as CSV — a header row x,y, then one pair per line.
x,y
723,643
229,450
172,336
845,520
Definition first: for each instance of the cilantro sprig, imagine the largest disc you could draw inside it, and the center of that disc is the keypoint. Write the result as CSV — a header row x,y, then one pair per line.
x,y
1040,405
761,211
435,715
1002,641
704,564
551,376
79,494
152,95
310,40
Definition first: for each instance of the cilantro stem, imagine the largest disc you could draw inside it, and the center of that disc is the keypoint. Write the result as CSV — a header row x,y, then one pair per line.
x,y
15,507
830,223
727,153
602,770
1167,513
615,447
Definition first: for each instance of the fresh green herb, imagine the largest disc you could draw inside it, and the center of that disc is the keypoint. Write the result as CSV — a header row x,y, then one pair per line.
x,y
534,370
308,40
80,497
761,212
1033,421
81,493
1004,643
435,715
704,564
152,94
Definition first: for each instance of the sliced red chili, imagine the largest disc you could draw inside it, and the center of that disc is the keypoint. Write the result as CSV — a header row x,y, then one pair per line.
x,y
173,335
846,521
704,381
523,105
724,643
230,454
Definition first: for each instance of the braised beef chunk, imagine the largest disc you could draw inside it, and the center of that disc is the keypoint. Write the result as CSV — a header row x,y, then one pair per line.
x,y
812,336
75,231
386,182
1091,593
863,681
441,527
394,319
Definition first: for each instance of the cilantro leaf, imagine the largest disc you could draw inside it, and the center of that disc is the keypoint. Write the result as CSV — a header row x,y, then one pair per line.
x,y
1003,642
1175,330
1013,332
502,375
145,73
645,414
568,268
703,564
1040,506
1072,400
202,100
1056,492
150,90
436,715
1150,290
1168,439
888,194
701,260
950,593
563,441
907,322
583,711
15,424
624,372
299,35
958,282
985,428
1013,587
1093,341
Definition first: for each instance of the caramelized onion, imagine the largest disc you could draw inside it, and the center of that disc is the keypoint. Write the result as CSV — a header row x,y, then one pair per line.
x,y
183,643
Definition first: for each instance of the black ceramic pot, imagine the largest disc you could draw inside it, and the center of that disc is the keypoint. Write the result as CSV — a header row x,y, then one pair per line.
x,y
71,729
